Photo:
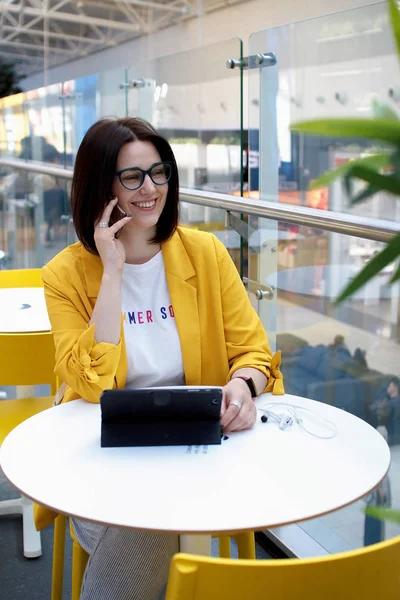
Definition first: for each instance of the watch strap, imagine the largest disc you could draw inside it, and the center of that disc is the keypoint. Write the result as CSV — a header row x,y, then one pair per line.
x,y
250,384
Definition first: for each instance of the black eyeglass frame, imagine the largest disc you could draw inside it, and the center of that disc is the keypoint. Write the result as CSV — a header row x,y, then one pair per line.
x,y
144,173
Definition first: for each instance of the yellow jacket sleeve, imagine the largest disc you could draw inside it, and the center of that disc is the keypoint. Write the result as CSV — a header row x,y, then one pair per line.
x,y
246,341
86,366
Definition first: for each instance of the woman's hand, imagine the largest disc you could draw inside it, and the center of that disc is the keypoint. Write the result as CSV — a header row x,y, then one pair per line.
x,y
238,410
110,249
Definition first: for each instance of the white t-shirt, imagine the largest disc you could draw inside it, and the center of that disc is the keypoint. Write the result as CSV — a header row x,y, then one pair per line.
x,y
152,342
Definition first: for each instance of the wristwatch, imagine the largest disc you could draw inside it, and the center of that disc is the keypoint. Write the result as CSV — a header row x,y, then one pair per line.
x,y
250,383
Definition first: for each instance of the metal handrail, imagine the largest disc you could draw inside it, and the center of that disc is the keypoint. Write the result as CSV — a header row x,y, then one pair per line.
x,y
362,227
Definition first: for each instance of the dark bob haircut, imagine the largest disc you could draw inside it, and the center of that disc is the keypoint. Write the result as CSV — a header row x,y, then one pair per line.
x,y
94,173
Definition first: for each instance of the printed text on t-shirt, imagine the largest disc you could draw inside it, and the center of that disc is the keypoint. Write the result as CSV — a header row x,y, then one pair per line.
x,y
148,316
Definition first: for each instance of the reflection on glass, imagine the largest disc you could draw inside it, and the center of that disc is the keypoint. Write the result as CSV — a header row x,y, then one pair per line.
x,y
212,220
195,101
44,111
347,356
14,124
334,66
34,211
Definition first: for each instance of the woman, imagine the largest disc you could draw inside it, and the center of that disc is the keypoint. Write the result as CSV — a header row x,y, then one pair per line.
x,y
141,302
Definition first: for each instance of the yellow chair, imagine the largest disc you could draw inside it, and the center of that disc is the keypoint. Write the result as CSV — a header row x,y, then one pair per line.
x,y
57,578
18,278
367,573
245,542
28,359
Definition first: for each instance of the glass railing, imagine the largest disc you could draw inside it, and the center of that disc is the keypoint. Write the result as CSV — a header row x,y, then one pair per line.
x,y
191,97
345,356
333,66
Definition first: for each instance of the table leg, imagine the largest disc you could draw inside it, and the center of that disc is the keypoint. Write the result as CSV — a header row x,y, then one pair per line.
x,y
32,540
196,544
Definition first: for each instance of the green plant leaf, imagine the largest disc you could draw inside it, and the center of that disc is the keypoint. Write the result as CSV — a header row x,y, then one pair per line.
x,y
366,193
383,111
396,275
373,129
395,22
383,514
387,183
376,160
348,185
375,265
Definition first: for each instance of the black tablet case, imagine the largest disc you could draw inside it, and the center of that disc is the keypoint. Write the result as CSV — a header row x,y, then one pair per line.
x,y
160,417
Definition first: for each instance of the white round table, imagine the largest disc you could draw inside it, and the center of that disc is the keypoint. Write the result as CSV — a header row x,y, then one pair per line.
x,y
23,310
254,480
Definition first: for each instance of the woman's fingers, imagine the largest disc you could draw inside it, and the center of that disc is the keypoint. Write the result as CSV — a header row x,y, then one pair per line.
x,y
244,420
119,224
240,417
105,217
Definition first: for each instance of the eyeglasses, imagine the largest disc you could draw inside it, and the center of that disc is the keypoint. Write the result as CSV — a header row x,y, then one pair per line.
x,y
133,178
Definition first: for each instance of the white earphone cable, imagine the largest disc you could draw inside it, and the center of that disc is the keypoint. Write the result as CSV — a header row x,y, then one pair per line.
x,y
292,416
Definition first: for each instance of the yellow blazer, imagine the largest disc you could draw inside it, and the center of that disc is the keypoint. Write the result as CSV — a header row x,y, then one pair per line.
x,y
219,330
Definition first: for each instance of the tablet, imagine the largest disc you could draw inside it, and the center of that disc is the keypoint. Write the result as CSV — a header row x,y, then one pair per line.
x,y
157,416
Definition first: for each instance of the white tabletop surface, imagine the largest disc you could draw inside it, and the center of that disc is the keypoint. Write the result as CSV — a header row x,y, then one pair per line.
x,y
259,478
23,310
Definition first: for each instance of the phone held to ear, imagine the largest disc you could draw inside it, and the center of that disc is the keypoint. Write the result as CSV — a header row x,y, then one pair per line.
x,y
123,213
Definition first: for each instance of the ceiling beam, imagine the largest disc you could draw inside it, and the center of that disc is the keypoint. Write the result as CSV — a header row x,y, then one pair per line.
x,y
37,48
125,5
166,19
71,18
22,57
157,6
51,34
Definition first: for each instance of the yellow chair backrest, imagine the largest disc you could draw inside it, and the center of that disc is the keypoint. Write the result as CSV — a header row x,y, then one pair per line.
x,y
28,359
367,574
17,278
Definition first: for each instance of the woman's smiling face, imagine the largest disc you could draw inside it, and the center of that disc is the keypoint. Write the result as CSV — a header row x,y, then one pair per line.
x,y
146,203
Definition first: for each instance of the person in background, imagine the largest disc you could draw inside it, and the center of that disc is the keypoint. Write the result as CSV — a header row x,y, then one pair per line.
x,y
386,411
140,302
339,345
50,191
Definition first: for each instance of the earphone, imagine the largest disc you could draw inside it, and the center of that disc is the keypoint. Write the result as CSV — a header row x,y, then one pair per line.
x,y
291,417
118,206
284,421
120,210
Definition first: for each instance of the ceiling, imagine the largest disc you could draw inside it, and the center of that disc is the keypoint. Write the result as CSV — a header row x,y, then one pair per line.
x,y
38,34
